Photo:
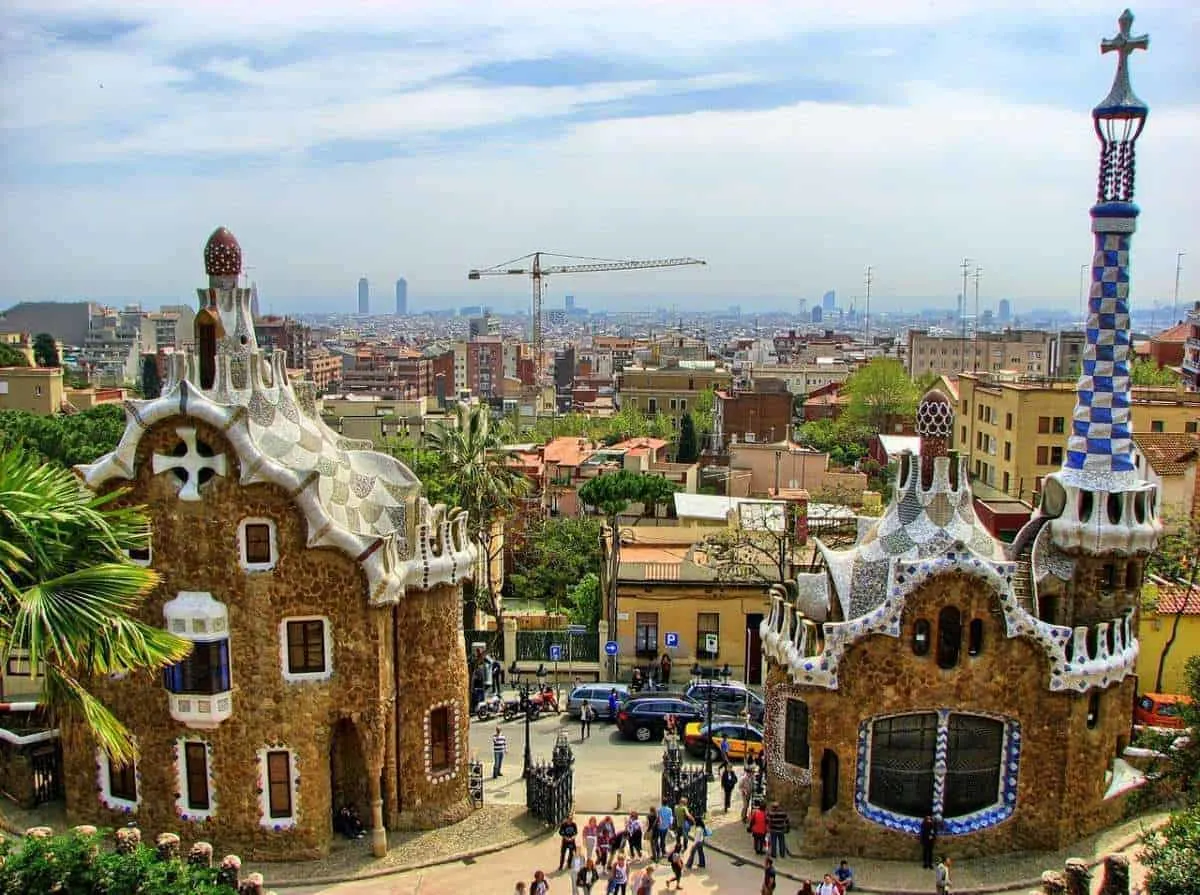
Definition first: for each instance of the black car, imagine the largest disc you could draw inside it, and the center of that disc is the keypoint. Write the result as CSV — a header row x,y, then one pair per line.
x,y
644,717
729,698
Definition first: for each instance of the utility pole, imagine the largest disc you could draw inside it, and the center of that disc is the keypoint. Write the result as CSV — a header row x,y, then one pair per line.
x,y
1175,303
962,312
978,275
868,307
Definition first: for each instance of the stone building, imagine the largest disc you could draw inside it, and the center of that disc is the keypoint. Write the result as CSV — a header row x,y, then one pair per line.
x,y
931,670
322,595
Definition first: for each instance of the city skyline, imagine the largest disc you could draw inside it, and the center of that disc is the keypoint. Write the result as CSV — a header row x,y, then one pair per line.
x,y
787,147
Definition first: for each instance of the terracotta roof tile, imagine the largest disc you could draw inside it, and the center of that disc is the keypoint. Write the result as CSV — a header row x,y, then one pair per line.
x,y
1172,596
1168,453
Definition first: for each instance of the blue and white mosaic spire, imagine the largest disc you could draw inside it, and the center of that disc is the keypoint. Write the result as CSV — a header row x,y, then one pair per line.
x,y
1099,450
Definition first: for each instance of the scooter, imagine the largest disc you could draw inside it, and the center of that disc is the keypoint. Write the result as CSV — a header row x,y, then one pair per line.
x,y
545,700
490,707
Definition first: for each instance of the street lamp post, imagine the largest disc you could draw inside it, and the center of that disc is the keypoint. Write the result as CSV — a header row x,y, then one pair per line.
x,y
523,690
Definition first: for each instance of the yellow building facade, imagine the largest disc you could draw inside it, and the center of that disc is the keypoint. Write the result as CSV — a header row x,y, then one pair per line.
x,y
32,389
669,390
1156,628
1013,430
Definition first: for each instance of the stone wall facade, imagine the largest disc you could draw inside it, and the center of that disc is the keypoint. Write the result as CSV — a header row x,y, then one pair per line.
x,y
1061,780
195,547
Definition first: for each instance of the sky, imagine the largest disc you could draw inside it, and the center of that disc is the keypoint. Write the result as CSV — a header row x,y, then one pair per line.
x,y
787,143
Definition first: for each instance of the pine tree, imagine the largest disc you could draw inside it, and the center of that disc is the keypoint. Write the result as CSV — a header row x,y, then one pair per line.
x,y
45,351
687,450
151,381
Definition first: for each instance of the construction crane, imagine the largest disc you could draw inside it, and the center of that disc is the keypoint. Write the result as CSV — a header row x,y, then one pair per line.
x,y
538,273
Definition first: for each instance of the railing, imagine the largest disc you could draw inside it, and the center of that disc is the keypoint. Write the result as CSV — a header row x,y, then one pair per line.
x,y
550,786
534,646
493,639
680,782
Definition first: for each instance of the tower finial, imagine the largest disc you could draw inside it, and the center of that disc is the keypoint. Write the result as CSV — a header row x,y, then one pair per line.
x,y
1119,118
1121,96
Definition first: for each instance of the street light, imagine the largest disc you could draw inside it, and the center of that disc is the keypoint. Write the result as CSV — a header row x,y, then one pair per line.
x,y
523,690
725,673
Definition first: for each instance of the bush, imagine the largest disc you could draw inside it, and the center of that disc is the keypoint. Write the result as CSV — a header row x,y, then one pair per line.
x,y
75,864
1172,856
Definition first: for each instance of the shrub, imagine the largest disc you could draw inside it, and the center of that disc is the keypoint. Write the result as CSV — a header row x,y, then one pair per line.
x,y
75,864
1172,856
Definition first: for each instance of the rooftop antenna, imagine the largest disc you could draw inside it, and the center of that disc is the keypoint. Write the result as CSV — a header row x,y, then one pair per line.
x,y
1175,302
868,305
978,275
962,304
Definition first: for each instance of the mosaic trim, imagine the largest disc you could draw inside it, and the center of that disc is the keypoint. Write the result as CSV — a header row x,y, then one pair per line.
x,y
182,811
455,742
775,736
957,826
104,785
278,824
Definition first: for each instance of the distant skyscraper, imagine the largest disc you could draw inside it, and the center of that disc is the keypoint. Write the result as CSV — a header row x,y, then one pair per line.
x,y
364,296
829,300
401,296
1005,311
569,303
816,314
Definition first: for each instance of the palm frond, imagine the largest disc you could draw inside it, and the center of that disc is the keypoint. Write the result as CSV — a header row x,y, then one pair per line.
x,y
70,698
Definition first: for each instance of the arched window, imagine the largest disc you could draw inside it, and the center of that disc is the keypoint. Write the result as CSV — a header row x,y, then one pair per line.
x,y
829,779
921,637
975,637
206,347
949,637
1093,711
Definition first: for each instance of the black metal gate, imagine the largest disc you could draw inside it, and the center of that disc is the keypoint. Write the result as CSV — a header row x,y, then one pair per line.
x,y
680,782
550,787
45,763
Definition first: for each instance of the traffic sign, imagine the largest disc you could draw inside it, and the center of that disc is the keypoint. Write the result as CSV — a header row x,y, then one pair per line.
x,y
610,648
671,639
555,652
711,642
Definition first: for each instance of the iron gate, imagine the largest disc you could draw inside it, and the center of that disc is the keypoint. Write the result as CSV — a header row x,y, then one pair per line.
x,y
680,782
550,787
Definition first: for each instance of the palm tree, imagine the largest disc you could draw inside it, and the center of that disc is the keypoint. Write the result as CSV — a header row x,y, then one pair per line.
x,y
67,591
483,484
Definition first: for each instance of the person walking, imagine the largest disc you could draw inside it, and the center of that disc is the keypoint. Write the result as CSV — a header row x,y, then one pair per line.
x,y
666,820
728,784
540,885
591,831
941,876
684,821
928,837
644,884
697,853
618,880
652,833
778,826
499,749
758,828
633,832
604,837
567,831
746,791
586,714
768,884
586,877
497,676
676,861
614,703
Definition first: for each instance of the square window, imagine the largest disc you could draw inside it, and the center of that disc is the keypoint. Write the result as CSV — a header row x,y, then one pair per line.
x,y
1058,426
1043,455
195,760
1056,454
646,634
1043,425
258,544
122,781
279,783
707,623
1157,426
439,740
306,643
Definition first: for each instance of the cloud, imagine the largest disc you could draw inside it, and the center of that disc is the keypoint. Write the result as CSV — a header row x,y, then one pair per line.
x,y
789,145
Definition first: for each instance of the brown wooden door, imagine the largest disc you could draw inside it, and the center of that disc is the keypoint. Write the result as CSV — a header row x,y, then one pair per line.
x,y
753,649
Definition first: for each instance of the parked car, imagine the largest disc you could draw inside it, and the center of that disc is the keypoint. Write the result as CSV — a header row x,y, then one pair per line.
x,y
744,739
597,695
729,698
644,717
1160,710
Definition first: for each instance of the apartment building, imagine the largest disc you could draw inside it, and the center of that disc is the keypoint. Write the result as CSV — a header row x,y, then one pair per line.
x,y
1191,350
804,379
1014,429
37,390
324,369
669,390
762,412
276,333
1031,352
173,327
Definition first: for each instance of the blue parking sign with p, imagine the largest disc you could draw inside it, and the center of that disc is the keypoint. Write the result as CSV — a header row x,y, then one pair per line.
x,y
671,639
555,652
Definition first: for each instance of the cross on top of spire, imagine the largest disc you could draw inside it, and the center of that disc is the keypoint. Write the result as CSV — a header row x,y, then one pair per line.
x,y
1121,98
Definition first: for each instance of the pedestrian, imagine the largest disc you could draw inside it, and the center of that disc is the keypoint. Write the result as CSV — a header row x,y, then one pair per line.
x,y
666,820
725,751
586,714
591,831
664,668
684,821
757,828
604,839
844,876
586,877
652,832
746,791
768,885
778,826
567,831
728,783
829,886
540,885
676,860
633,830
806,888
499,749
941,876
541,675
635,682
497,676
928,837
697,852
618,880
644,884
573,868
614,703
478,686
520,889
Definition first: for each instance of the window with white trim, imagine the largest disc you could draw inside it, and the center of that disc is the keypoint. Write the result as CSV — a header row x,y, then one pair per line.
x,y
194,800
278,784
307,648
199,688
258,545
119,784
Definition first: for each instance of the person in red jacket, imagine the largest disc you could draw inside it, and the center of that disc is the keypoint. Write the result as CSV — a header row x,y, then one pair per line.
x,y
758,829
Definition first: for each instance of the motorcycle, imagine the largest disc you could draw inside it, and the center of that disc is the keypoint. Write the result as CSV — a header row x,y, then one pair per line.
x,y
514,707
545,701
490,707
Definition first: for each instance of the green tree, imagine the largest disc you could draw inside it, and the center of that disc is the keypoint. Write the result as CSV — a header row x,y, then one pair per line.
x,y
1175,560
556,554
11,357
585,601
703,411
151,381
1175,765
65,440
1147,372
68,592
687,451
485,486
879,391
1172,855
45,351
